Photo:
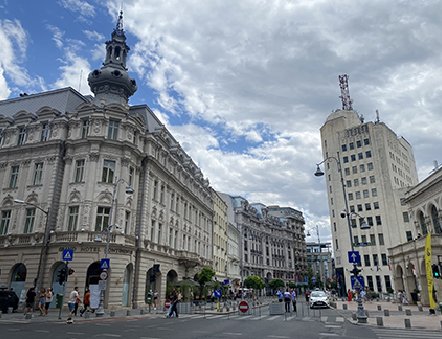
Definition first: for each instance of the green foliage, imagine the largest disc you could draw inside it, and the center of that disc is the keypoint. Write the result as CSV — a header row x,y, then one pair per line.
x,y
255,282
276,283
291,284
205,275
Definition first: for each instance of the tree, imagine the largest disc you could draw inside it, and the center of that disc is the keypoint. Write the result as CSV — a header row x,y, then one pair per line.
x,y
204,276
277,283
255,282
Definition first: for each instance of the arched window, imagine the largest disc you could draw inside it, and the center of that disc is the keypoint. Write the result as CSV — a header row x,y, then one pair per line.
x,y
422,224
435,219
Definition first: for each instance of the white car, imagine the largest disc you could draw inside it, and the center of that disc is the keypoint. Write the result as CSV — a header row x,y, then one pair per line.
x,y
319,299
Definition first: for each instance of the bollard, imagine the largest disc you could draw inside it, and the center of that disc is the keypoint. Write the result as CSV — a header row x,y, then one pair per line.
x,y
141,312
28,316
379,308
399,308
112,313
441,324
353,316
407,323
367,314
128,313
420,308
407,312
386,313
344,306
380,321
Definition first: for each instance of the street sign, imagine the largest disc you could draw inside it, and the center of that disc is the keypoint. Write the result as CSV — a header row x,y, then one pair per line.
x,y
243,306
357,282
103,275
313,279
104,263
354,257
217,294
102,285
68,254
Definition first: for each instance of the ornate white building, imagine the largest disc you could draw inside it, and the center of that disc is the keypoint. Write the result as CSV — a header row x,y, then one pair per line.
x,y
104,179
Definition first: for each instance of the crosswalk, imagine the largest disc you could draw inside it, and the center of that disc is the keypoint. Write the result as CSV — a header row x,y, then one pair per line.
x,y
327,320
391,333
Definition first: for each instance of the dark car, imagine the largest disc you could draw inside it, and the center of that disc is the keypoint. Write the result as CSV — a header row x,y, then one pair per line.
x,y
8,299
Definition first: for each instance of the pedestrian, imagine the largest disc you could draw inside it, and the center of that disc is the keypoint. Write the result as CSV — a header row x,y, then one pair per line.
x,y
307,295
287,300
349,295
86,302
49,296
30,300
155,300
173,304
74,298
279,294
293,294
42,301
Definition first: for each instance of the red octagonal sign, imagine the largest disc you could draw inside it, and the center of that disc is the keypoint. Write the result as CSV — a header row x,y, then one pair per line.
x,y
243,306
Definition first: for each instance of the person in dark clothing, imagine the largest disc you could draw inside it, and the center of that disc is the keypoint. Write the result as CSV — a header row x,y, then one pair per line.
x,y
173,304
30,300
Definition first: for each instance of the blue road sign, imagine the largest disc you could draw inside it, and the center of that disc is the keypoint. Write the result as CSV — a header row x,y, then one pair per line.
x,y
360,280
313,279
68,254
104,263
217,294
354,257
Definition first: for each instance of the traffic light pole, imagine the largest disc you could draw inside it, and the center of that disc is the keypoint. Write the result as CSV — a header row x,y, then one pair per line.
x,y
63,283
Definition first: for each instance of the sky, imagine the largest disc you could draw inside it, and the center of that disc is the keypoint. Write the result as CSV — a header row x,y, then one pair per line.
x,y
245,86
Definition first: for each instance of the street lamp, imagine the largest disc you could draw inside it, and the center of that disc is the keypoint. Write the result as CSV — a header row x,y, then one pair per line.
x,y
362,318
44,247
129,190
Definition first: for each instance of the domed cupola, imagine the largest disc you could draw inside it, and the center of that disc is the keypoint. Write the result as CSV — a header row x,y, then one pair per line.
x,y
111,83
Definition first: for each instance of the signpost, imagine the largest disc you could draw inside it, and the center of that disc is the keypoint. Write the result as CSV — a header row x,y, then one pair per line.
x,y
354,257
357,282
68,254
104,263
243,306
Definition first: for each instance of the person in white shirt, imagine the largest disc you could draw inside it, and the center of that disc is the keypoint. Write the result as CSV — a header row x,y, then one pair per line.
x,y
74,299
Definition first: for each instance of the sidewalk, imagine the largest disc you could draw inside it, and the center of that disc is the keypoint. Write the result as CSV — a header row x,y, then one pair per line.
x,y
396,319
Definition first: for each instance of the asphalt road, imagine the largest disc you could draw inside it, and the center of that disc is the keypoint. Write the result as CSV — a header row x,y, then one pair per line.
x,y
328,324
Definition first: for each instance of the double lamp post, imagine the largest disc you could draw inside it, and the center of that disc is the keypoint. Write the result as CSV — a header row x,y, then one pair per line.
x,y
360,314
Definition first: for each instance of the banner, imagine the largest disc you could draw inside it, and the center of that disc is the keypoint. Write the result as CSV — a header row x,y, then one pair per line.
x,y
429,271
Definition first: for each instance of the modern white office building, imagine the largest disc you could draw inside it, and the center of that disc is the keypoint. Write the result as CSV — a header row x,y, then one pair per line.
x,y
368,168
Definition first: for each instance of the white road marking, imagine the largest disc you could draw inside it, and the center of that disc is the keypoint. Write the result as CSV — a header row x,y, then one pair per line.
x,y
273,318
233,333
328,334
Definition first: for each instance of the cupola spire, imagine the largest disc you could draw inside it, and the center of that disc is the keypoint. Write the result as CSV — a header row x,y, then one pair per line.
x,y
111,83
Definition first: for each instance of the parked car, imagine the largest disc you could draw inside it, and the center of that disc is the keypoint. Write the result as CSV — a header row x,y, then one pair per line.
x,y
319,299
8,299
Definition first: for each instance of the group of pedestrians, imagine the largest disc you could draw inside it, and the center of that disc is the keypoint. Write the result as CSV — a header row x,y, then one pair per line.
x,y
75,301
45,298
289,298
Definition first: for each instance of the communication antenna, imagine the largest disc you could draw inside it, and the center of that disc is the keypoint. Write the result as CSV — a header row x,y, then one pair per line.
x,y
345,93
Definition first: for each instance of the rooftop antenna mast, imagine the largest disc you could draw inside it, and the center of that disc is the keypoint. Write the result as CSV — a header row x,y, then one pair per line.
x,y
345,93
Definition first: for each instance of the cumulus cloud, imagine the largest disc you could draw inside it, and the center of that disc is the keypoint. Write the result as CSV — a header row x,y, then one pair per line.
x,y
83,8
263,77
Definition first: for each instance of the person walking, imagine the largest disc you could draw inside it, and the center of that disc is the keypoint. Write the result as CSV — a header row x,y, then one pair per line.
x,y
155,300
287,300
293,295
173,304
30,300
74,298
42,301
49,297
86,302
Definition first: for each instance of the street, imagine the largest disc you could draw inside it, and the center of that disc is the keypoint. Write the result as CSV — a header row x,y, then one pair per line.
x,y
323,324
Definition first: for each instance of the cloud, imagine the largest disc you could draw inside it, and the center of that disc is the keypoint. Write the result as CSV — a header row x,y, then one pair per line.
x,y
14,40
57,35
263,77
94,35
74,70
83,8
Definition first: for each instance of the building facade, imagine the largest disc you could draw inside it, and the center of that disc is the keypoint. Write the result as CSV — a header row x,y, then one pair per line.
x,y
220,222
104,179
319,260
407,260
373,167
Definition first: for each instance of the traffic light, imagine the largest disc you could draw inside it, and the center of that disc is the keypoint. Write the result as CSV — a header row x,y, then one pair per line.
x,y
62,276
355,270
436,271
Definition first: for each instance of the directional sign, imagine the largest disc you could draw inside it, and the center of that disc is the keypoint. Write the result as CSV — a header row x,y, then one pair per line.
x,y
354,257
104,263
357,282
243,306
313,279
68,254
217,294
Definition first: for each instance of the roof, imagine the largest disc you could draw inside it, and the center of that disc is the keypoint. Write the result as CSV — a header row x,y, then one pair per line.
x,y
63,100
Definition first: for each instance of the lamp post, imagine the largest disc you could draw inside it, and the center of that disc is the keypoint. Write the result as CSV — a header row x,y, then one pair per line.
x,y
362,318
129,190
44,247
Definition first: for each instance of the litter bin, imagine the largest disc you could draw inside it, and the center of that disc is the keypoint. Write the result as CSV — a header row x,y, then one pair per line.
x,y
59,300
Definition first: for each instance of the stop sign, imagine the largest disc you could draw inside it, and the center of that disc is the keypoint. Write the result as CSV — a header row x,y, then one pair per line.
x,y
243,306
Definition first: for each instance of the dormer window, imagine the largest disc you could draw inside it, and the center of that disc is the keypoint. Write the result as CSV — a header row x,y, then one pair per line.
x,y
44,131
21,136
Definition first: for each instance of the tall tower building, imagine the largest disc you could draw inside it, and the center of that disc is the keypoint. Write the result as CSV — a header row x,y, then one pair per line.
x,y
376,166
